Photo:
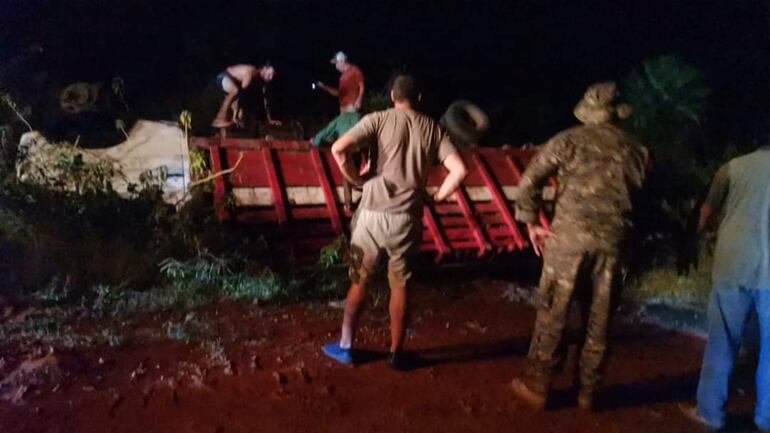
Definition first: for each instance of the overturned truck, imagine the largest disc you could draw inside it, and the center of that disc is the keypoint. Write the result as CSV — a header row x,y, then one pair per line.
x,y
295,191
298,189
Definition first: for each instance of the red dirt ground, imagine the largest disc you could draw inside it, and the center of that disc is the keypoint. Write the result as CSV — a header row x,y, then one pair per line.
x,y
471,345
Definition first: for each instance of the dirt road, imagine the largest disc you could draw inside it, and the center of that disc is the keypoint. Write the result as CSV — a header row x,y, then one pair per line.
x,y
273,378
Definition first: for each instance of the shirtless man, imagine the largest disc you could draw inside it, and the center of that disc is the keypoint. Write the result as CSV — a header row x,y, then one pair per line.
x,y
233,80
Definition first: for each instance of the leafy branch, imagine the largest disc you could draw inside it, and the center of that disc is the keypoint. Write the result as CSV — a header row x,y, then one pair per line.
x,y
6,98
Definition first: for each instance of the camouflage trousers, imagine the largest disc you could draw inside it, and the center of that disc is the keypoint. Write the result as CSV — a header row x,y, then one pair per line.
x,y
590,277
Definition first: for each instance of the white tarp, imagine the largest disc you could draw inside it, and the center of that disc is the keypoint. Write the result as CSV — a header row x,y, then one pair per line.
x,y
150,147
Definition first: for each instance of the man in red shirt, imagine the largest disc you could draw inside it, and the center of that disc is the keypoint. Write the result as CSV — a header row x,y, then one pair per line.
x,y
350,93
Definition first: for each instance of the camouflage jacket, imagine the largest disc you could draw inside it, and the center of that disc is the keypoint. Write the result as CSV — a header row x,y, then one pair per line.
x,y
598,168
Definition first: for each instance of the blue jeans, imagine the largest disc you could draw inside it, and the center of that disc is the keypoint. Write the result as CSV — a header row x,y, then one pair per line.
x,y
729,310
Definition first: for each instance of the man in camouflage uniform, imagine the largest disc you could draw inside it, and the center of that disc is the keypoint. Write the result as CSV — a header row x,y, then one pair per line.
x,y
598,168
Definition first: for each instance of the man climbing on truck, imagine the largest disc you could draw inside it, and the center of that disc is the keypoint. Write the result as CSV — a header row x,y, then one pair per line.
x,y
233,81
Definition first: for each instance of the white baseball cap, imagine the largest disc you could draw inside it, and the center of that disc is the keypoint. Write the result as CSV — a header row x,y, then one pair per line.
x,y
339,57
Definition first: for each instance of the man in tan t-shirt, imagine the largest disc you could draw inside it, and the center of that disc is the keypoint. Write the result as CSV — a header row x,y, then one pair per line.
x,y
389,216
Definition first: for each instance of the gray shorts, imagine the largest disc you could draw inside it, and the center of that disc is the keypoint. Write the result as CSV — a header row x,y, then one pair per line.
x,y
398,235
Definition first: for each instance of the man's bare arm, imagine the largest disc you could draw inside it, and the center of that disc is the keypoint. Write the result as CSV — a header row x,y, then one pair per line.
x,y
328,89
706,212
715,198
457,172
342,151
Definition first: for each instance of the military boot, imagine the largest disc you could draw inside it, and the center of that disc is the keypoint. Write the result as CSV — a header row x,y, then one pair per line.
x,y
534,399
585,399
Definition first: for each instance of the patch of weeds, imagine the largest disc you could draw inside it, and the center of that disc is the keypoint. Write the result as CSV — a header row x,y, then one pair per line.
x,y
66,167
215,353
12,224
109,300
110,337
116,301
665,285
519,294
49,327
191,329
191,284
207,277
176,331
57,327
245,287
199,167
326,284
332,253
55,292
197,278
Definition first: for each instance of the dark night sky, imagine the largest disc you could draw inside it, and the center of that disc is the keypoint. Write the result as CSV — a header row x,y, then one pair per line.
x,y
526,62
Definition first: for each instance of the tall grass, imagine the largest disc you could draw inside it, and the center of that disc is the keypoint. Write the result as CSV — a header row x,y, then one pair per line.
x,y
667,285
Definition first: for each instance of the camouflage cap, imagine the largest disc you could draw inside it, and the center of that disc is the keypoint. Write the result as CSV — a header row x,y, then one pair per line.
x,y
599,104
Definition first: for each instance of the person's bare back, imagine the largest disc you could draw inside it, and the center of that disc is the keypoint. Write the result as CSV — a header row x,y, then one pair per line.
x,y
234,79
243,74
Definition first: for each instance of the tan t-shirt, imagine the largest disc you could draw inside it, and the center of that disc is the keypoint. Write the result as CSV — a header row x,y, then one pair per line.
x,y
408,144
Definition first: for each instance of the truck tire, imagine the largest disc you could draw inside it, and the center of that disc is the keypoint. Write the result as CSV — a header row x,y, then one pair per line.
x,y
465,122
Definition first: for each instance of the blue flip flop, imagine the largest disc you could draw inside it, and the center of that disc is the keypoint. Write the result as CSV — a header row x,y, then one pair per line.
x,y
335,352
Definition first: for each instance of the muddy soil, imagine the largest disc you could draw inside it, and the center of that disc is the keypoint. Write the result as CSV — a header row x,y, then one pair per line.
x,y
273,378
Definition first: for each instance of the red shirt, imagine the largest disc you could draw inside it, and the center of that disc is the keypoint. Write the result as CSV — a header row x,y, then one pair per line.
x,y
350,81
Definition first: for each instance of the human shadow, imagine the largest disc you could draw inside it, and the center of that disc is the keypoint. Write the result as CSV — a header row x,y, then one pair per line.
x,y
414,360
673,388
365,356
740,423
680,388
665,389
510,347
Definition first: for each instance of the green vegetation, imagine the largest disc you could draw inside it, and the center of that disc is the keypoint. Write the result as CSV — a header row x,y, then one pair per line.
x,y
332,254
57,317
376,101
669,99
192,329
80,261
57,327
666,285
207,277
670,104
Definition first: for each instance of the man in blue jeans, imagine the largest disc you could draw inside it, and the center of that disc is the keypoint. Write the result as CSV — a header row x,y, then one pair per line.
x,y
741,278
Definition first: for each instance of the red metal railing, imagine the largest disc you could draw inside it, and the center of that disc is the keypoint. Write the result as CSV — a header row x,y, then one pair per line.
x,y
291,183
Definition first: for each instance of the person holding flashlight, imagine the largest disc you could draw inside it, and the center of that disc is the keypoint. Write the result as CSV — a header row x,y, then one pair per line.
x,y
350,93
